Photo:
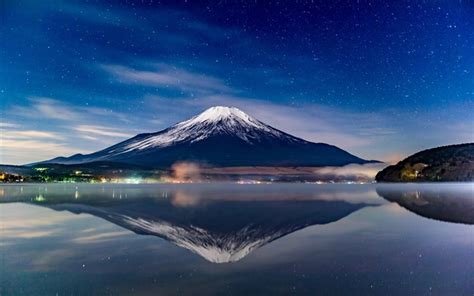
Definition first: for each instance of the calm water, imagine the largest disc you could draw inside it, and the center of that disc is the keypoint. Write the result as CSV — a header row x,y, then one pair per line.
x,y
237,239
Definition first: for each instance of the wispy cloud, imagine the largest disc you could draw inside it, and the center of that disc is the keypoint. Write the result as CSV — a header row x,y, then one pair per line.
x,y
26,151
101,131
50,108
26,234
23,146
8,124
29,134
44,108
166,76
62,130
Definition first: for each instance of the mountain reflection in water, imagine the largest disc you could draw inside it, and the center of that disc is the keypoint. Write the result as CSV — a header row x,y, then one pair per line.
x,y
224,223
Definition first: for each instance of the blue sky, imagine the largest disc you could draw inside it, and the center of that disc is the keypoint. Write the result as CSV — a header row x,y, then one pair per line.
x,y
380,80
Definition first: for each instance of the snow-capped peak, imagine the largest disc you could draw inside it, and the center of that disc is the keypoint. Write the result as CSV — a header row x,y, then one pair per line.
x,y
218,120
214,247
229,116
217,113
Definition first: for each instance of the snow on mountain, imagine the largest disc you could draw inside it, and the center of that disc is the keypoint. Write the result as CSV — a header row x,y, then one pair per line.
x,y
219,136
212,247
217,120
223,223
221,231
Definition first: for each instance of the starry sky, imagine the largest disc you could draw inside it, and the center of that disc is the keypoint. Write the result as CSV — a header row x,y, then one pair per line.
x,y
381,80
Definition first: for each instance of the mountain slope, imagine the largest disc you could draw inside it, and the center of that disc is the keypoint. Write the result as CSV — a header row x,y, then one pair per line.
x,y
447,163
220,136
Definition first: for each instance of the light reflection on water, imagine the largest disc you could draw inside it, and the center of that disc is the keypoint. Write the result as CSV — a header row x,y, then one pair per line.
x,y
237,239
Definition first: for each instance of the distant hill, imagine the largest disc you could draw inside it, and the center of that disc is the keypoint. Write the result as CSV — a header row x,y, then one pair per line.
x,y
442,164
14,169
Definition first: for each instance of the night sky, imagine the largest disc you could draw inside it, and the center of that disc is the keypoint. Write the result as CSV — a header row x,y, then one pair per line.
x,y
381,80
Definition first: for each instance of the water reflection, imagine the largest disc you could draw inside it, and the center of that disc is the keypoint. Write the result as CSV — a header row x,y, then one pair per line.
x,y
449,203
221,224
224,223
105,241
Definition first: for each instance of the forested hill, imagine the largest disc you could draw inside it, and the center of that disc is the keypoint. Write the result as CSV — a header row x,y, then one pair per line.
x,y
441,164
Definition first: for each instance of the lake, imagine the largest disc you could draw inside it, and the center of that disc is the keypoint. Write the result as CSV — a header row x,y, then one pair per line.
x,y
233,239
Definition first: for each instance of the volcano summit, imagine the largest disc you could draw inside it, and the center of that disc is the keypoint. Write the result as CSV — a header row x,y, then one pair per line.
x,y
219,136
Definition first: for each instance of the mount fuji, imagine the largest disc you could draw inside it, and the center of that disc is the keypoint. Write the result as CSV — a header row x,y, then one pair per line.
x,y
219,136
